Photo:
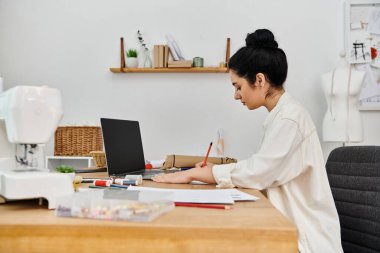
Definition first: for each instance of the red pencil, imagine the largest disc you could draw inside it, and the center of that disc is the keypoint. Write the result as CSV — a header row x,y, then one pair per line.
x,y
202,205
208,152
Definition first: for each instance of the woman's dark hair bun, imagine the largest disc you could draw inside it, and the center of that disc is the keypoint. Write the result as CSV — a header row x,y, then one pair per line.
x,y
261,55
261,38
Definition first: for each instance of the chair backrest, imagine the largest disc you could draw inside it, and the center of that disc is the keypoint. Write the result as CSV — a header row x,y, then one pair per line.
x,y
354,175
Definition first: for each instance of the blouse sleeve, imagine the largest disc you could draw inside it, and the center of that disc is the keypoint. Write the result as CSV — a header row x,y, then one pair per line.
x,y
278,160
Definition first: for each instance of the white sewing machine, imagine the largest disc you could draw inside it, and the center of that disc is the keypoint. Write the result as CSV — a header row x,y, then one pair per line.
x,y
28,118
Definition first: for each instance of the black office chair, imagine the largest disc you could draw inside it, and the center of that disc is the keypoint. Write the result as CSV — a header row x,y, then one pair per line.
x,y
354,175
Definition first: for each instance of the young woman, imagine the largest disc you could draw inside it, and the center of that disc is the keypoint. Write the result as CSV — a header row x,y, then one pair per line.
x,y
289,166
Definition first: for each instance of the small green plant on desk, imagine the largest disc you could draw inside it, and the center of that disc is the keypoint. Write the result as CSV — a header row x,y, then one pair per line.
x,y
65,169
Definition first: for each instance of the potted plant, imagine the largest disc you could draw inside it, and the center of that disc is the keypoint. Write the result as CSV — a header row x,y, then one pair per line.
x,y
131,61
66,169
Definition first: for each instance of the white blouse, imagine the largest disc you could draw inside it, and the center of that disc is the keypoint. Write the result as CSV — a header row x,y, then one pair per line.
x,y
290,167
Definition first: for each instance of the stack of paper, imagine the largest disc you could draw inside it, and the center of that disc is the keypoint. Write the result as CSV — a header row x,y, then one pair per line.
x,y
222,196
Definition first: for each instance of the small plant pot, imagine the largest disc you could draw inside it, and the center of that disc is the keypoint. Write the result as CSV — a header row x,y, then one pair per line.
x,y
71,175
131,62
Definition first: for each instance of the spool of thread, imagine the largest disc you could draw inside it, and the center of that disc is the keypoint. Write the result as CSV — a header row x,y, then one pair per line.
x,y
137,178
198,62
126,182
154,164
77,179
104,183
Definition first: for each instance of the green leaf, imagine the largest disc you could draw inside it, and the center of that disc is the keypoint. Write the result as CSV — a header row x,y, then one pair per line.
x,y
131,53
65,169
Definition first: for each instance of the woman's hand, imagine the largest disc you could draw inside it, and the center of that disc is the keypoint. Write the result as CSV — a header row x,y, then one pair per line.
x,y
182,177
203,174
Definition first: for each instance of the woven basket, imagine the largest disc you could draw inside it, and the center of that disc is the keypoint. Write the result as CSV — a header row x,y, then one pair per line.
x,y
77,140
99,158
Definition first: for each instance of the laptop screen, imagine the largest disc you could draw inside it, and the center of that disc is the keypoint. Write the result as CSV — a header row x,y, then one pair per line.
x,y
123,146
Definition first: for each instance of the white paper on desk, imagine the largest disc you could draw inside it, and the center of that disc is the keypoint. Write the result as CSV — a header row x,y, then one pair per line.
x,y
193,196
235,194
241,196
197,182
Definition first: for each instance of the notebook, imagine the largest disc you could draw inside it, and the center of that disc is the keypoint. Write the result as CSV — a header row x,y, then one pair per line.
x,y
124,149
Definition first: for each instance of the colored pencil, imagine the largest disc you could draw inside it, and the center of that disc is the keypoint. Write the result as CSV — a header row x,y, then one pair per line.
x,y
112,186
203,205
208,152
93,186
118,186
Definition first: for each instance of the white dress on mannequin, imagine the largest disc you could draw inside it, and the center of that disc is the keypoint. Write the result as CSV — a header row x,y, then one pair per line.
x,y
342,121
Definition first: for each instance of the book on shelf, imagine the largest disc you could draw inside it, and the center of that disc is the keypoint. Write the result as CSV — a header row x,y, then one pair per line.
x,y
161,56
166,56
155,56
180,64
174,48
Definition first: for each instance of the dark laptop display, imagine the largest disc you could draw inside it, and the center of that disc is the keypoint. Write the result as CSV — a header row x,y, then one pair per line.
x,y
123,147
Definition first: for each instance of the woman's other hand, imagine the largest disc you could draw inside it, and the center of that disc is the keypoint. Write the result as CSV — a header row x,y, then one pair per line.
x,y
182,177
203,174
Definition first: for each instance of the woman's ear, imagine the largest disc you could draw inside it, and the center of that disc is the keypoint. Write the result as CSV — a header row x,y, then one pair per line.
x,y
260,79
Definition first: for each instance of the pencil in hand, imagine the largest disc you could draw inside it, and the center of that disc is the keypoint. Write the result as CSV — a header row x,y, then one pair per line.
x,y
208,152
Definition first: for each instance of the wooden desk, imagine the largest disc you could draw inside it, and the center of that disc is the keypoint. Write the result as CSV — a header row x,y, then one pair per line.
x,y
248,227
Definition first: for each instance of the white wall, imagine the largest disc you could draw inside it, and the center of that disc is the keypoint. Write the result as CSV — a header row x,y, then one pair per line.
x,y
71,45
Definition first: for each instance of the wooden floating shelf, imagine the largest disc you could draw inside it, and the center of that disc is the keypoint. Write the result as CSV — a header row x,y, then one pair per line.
x,y
170,70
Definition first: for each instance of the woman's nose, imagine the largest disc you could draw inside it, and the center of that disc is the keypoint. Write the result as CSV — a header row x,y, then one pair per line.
x,y
237,96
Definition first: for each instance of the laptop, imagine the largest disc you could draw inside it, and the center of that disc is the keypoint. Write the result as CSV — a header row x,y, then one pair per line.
x,y
124,149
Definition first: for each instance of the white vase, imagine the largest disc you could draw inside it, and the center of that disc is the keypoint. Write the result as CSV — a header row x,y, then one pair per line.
x,y
148,60
141,58
131,62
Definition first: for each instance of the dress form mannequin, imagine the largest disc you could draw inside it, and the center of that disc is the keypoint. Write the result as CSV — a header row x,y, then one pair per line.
x,y
342,121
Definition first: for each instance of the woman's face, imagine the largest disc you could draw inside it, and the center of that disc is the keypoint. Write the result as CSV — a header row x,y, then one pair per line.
x,y
250,95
